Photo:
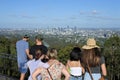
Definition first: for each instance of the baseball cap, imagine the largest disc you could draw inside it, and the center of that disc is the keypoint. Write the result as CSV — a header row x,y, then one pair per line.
x,y
26,36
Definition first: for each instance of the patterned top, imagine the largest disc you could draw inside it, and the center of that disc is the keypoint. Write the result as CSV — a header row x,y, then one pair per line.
x,y
55,70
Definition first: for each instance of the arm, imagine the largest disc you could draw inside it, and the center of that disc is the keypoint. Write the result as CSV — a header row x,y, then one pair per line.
x,y
103,68
36,73
67,66
65,72
83,70
29,56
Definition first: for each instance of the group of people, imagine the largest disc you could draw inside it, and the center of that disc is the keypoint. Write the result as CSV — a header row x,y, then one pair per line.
x,y
85,63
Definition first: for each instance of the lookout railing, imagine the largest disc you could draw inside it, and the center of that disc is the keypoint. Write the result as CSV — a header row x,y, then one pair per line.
x,y
8,65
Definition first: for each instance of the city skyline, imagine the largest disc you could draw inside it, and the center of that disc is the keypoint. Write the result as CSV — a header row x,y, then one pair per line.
x,y
59,13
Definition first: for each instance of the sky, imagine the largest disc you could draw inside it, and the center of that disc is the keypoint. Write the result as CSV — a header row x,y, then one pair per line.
x,y
59,13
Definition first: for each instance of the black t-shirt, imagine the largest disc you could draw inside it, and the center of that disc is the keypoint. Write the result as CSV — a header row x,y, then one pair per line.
x,y
33,48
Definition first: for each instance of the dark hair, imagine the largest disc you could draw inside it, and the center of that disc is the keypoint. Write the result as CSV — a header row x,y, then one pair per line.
x,y
45,59
45,52
38,54
75,54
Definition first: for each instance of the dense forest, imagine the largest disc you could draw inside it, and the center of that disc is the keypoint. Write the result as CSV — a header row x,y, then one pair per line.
x,y
110,49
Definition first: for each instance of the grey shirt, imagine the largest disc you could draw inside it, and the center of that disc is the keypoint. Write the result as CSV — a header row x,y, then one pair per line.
x,y
97,69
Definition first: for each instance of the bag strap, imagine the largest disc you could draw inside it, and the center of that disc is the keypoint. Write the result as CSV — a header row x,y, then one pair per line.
x,y
49,74
48,69
89,71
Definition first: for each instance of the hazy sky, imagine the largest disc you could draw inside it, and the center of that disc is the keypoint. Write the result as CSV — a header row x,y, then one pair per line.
x,y
59,13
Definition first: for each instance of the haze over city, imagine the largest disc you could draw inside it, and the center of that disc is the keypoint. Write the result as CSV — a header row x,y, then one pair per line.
x,y
59,13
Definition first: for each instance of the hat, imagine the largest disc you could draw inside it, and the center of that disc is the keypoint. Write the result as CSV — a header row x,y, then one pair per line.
x,y
26,36
91,43
40,37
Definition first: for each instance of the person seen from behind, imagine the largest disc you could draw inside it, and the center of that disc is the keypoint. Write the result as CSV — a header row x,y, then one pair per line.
x,y
93,61
38,45
36,63
74,66
55,71
22,48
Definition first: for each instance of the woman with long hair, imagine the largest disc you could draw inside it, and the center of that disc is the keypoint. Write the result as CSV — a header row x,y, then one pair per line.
x,y
93,61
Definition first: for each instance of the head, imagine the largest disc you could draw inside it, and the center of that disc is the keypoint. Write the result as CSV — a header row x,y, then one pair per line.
x,y
44,51
38,54
26,37
75,54
91,53
52,53
39,38
91,43
39,41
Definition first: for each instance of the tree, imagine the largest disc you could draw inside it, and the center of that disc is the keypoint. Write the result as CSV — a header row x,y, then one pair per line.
x,y
112,54
63,53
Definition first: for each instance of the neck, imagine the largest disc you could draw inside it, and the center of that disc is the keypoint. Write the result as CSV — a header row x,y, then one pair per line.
x,y
24,39
39,43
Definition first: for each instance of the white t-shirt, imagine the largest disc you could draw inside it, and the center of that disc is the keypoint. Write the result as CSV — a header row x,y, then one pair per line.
x,y
76,71
34,64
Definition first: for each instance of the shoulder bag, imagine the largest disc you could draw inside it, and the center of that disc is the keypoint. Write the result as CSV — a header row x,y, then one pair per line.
x,y
101,78
49,74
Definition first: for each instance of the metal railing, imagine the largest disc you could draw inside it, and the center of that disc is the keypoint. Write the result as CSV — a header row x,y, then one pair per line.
x,y
8,66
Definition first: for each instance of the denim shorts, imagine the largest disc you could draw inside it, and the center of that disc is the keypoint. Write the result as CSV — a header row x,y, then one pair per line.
x,y
96,76
22,67
75,78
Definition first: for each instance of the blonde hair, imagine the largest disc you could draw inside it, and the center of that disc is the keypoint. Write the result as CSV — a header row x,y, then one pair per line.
x,y
52,53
